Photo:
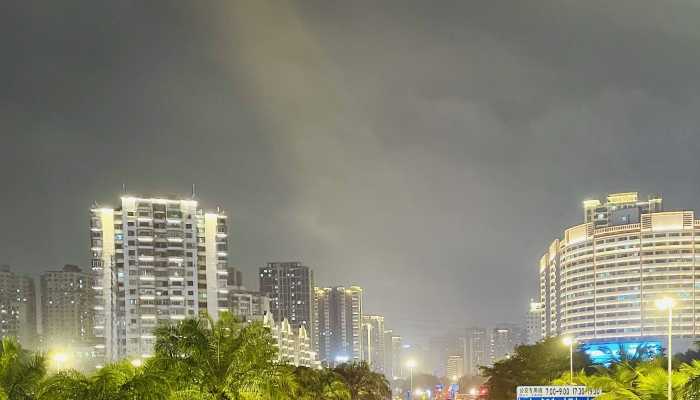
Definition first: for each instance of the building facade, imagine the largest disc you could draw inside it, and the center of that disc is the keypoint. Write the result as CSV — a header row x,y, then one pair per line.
x,y
67,308
294,345
601,278
397,367
17,307
289,285
154,260
534,322
479,342
248,305
373,339
503,341
338,324
455,367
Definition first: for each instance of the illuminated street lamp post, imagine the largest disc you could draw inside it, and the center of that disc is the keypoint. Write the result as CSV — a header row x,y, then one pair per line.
x,y
666,303
411,364
569,341
59,359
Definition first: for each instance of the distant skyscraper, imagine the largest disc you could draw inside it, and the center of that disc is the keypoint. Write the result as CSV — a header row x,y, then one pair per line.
x,y
67,308
289,285
373,340
154,260
397,370
455,367
17,307
503,341
534,322
479,343
338,325
234,278
440,347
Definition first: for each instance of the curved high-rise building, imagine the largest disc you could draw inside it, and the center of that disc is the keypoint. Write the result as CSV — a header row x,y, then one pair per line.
x,y
601,278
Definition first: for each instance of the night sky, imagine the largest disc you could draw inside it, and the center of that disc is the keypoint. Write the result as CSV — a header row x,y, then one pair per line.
x,y
428,151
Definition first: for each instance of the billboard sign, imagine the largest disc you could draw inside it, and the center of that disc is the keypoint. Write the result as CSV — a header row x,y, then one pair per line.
x,y
557,393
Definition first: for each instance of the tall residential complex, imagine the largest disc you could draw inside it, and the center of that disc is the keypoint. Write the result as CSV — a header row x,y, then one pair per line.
x,y
397,370
17,307
234,278
503,341
67,308
455,367
338,325
478,340
289,285
601,278
373,340
154,260
534,322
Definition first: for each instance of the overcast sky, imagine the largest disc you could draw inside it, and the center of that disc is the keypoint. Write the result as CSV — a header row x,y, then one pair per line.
x,y
428,151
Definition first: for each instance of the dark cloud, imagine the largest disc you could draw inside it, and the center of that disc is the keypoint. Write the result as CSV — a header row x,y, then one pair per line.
x,y
428,151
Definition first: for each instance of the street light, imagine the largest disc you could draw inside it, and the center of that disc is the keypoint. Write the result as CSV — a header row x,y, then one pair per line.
x,y
411,364
666,303
569,341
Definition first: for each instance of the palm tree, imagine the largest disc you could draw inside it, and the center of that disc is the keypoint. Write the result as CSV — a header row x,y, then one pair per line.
x,y
119,381
691,389
320,384
20,371
362,383
221,360
636,381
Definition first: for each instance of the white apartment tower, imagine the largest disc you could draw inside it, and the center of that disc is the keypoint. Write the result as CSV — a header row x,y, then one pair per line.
x,y
373,339
154,260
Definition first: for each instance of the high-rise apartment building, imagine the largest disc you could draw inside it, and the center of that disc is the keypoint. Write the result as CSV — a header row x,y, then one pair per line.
x,y
373,340
397,370
479,342
234,278
534,322
154,260
455,367
67,308
601,278
503,341
17,307
338,324
289,285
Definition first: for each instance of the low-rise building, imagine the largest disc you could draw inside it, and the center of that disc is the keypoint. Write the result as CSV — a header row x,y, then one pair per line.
x,y
294,345
248,305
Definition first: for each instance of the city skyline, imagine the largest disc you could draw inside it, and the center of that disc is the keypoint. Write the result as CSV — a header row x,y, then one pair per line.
x,y
433,185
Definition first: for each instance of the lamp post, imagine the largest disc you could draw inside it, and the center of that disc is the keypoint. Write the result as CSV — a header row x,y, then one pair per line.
x,y
411,364
666,303
569,341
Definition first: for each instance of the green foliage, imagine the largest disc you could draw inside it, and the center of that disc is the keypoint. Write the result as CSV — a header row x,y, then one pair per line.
x,y
536,364
222,360
362,383
196,359
118,381
323,384
639,381
20,371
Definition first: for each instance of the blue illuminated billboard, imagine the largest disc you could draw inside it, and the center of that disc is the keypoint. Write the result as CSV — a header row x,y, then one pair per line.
x,y
606,353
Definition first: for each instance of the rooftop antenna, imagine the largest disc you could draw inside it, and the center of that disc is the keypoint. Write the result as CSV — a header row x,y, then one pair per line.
x,y
194,192
124,188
